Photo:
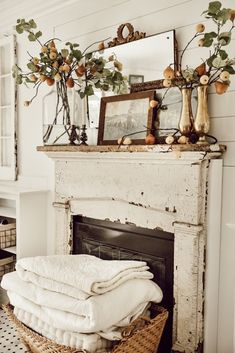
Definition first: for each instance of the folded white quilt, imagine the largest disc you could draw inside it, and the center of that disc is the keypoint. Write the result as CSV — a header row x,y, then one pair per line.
x,y
91,342
79,276
97,313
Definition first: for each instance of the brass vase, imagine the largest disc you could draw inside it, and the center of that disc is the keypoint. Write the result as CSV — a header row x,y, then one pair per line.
x,y
186,116
202,122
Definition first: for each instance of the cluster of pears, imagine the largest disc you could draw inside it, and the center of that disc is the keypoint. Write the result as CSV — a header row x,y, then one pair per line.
x,y
201,74
59,66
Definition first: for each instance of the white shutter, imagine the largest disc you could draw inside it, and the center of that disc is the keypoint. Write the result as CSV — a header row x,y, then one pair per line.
x,y
8,151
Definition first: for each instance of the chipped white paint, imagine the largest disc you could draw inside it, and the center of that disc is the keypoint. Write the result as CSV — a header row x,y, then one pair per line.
x,y
152,190
188,287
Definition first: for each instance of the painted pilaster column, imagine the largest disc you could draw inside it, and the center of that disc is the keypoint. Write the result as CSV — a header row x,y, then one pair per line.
x,y
63,227
189,266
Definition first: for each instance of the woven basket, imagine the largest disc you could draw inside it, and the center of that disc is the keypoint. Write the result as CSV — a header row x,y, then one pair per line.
x,y
142,336
7,235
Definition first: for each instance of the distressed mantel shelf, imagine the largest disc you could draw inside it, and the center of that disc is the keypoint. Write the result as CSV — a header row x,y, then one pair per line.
x,y
135,152
133,148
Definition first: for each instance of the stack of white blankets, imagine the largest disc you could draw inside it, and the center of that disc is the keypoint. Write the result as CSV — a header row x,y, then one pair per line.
x,y
80,300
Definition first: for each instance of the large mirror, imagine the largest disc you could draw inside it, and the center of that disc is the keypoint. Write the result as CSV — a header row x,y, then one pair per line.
x,y
143,62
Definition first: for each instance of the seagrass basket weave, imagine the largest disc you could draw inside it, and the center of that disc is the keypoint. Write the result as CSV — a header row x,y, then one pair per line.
x,y
142,336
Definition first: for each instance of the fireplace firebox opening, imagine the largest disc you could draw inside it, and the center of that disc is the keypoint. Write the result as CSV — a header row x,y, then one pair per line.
x,y
115,241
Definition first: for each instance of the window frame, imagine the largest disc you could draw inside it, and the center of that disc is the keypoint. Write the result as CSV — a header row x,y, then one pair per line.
x,y
9,172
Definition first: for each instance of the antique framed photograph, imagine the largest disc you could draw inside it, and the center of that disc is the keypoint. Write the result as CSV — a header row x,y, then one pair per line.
x,y
126,114
136,79
168,116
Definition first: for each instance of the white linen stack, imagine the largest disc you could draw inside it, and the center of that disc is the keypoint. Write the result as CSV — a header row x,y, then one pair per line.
x,y
80,300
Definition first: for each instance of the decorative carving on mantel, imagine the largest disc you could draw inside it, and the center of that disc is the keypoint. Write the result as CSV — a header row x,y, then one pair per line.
x,y
132,35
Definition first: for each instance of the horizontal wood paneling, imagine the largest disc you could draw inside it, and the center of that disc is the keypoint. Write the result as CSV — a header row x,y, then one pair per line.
x,y
229,160
223,128
222,105
154,17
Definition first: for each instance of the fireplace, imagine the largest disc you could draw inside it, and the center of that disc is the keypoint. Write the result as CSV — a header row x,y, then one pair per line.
x,y
115,241
158,188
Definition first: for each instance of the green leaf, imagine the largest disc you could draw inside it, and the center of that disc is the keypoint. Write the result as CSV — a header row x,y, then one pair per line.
x,y
218,62
88,56
210,35
223,15
19,80
19,29
223,54
31,67
224,38
105,87
64,53
214,6
38,34
230,69
31,37
75,45
77,54
207,42
98,84
81,94
32,24
89,90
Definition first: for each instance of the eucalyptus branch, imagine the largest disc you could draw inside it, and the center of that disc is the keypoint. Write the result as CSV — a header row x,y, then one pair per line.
x,y
36,93
50,40
29,55
182,54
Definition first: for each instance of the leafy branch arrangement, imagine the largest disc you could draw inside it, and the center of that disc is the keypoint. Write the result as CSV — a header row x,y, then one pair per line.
x,y
218,67
68,67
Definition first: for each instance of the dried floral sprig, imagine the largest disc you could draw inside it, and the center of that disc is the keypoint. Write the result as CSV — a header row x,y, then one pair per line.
x,y
218,67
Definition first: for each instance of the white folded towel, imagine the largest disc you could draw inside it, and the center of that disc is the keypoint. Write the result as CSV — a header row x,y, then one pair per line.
x,y
91,342
94,308
79,276
97,313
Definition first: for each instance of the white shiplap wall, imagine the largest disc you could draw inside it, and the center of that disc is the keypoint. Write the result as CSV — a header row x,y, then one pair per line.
x,y
87,21
156,16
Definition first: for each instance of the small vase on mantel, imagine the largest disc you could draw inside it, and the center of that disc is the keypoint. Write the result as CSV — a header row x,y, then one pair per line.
x,y
202,122
186,116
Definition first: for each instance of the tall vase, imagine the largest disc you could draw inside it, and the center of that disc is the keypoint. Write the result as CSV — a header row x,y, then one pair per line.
x,y
60,112
202,122
186,116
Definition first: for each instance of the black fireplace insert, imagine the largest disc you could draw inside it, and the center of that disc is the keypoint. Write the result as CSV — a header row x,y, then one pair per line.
x,y
115,241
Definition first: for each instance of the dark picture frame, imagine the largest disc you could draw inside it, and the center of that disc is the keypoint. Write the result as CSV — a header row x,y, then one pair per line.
x,y
134,79
126,114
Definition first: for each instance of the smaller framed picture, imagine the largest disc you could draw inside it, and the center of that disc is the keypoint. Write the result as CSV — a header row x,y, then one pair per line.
x,y
136,79
126,114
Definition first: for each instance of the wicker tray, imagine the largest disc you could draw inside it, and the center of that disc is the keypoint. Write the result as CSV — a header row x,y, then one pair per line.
x,y
142,336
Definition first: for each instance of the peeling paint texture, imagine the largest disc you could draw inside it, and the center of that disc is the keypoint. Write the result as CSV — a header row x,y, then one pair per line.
x,y
152,190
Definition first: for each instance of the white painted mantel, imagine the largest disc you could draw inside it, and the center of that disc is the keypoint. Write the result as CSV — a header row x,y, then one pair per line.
x,y
153,187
